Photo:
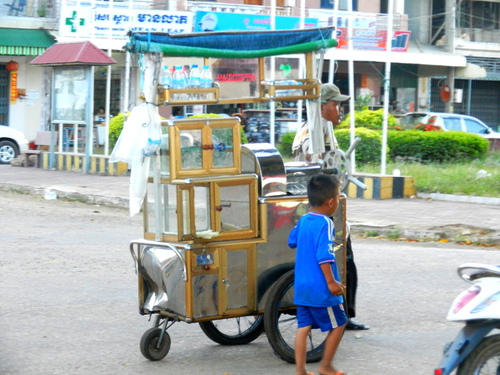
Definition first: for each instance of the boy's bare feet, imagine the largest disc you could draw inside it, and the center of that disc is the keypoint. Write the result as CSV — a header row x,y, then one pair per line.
x,y
329,371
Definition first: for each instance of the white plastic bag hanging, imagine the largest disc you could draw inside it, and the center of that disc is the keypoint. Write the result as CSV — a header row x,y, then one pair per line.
x,y
141,136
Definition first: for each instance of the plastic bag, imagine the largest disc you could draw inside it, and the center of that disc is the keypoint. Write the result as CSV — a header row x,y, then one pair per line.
x,y
140,138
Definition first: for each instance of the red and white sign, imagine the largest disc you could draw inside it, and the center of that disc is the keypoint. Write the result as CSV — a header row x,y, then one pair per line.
x,y
373,39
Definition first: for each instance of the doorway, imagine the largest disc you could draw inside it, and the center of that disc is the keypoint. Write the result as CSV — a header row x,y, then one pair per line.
x,y
4,95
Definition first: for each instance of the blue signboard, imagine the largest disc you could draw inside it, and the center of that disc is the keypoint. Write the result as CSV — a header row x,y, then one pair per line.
x,y
219,21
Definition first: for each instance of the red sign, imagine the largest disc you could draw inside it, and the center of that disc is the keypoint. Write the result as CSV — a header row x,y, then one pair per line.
x,y
13,87
373,39
236,77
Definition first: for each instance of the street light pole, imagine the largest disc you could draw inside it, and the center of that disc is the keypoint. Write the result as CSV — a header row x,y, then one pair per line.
x,y
450,43
387,79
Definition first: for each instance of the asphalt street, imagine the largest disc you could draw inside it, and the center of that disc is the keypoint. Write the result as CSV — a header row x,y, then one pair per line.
x,y
69,301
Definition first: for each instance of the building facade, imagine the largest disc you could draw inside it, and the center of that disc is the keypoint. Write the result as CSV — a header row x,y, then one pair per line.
x,y
421,58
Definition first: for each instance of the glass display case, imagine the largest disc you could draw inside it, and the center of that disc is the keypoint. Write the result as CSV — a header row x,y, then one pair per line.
x,y
200,147
203,209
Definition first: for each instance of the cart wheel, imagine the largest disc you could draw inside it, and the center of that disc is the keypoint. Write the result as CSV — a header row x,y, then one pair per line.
x,y
280,321
149,344
234,331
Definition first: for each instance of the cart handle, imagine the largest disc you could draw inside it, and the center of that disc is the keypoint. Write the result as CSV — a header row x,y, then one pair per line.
x,y
156,244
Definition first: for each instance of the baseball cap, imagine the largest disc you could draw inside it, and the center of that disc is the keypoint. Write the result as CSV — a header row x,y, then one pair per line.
x,y
331,92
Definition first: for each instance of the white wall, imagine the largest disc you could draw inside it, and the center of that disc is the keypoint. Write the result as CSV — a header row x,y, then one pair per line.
x,y
24,115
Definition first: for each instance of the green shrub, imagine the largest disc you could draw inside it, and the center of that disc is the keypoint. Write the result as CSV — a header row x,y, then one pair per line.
x,y
285,148
436,146
115,128
368,119
368,150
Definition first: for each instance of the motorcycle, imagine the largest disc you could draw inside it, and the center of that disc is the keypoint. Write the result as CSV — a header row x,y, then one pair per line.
x,y
474,351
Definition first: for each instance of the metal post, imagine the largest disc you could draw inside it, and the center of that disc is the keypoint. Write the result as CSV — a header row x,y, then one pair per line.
x,y
272,103
387,81
89,129
450,43
331,67
469,97
351,84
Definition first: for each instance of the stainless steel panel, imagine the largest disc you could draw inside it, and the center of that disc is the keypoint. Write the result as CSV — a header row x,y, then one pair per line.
x,y
267,163
298,175
275,256
205,300
236,282
163,273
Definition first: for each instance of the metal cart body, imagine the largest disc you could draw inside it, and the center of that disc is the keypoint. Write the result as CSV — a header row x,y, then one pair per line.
x,y
217,216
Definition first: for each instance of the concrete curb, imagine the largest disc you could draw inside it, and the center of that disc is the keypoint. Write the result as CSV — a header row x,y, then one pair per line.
x,y
62,193
459,198
455,233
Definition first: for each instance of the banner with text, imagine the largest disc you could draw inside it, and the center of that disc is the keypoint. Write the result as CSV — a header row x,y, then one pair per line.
x,y
84,22
219,21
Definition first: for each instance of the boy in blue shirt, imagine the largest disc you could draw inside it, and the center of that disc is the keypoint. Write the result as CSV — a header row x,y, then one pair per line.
x,y
318,291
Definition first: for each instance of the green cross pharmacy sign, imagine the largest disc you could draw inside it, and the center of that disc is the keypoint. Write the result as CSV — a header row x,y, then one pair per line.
x,y
74,21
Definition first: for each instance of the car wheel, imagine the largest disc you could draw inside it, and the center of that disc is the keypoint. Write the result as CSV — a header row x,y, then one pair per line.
x,y
8,151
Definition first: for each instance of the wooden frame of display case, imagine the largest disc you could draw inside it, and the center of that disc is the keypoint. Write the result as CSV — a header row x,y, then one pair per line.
x,y
220,266
214,184
206,127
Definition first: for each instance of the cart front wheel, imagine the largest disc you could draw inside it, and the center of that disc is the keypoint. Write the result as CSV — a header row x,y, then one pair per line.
x,y
151,348
234,331
280,321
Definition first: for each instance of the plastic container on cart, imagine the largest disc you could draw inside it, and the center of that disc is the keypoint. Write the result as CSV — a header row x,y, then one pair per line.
x,y
180,81
206,80
195,80
166,78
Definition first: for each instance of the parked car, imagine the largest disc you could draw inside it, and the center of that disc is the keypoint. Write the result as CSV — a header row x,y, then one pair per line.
x,y
449,121
12,142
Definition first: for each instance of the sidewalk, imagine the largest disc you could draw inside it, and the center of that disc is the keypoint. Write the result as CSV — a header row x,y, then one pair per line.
x,y
417,218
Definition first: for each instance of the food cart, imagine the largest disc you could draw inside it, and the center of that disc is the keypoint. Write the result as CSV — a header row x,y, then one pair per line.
x,y
217,212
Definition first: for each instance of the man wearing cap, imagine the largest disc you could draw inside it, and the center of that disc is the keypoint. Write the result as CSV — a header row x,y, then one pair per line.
x,y
331,111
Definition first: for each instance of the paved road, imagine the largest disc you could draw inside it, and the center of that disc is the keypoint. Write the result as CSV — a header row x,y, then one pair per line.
x,y
69,301
410,218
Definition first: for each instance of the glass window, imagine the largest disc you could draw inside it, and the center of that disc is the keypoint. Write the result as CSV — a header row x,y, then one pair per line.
x,y
71,90
191,149
202,208
186,212
472,126
237,78
223,152
452,123
170,209
164,153
235,207
328,4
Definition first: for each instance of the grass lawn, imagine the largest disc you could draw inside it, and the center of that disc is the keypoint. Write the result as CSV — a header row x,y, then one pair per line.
x,y
450,178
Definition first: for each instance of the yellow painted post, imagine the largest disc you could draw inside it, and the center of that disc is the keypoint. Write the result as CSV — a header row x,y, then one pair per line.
x,y
368,193
386,185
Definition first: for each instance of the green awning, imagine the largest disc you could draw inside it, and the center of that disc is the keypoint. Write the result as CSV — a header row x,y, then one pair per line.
x,y
24,42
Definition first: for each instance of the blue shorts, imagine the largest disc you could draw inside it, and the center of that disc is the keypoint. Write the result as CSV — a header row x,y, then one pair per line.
x,y
324,318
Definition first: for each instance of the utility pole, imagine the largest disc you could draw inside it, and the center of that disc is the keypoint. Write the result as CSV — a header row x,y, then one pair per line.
x,y
450,46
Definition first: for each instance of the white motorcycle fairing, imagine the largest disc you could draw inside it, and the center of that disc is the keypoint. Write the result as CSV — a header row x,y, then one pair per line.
x,y
478,307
